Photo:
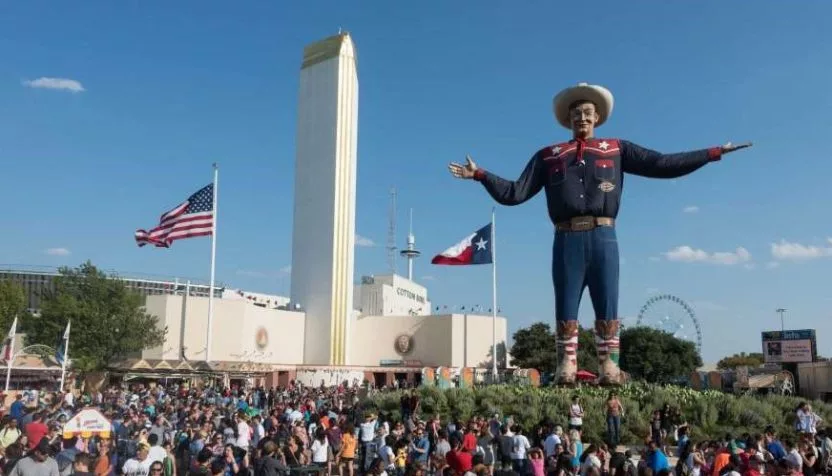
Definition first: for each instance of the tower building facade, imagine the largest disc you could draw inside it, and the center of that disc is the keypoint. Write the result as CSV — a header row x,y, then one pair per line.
x,y
323,239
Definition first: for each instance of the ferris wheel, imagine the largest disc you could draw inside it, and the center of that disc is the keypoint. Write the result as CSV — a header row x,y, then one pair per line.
x,y
673,315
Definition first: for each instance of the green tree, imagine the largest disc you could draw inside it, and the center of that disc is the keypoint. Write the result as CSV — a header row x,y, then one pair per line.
x,y
12,304
501,357
535,347
587,357
656,356
108,319
754,359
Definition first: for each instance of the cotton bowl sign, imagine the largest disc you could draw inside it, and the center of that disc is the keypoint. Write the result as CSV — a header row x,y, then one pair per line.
x,y
789,346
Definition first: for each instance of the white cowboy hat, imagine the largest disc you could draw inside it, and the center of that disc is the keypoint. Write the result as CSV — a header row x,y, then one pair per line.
x,y
598,95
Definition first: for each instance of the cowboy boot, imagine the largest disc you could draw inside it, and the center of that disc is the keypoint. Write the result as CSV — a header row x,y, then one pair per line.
x,y
606,344
567,338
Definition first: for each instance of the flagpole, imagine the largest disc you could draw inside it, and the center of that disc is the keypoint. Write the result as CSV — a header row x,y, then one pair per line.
x,y
493,296
10,360
66,355
9,371
213,268
182,321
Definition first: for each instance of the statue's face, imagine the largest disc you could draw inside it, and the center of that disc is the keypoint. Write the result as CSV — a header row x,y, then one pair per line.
x,y
584,117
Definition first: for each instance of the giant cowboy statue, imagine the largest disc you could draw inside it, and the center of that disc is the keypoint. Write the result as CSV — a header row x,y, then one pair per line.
x,y
583,179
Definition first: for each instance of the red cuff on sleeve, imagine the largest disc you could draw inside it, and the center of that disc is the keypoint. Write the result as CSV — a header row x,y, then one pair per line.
x,y
715,153
479,175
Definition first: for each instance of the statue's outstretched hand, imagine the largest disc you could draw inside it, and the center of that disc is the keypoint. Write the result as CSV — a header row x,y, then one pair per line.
x,y
463,171
729,147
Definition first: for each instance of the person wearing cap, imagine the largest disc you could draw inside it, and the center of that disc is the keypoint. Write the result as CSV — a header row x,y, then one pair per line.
x,y
583,180
38,463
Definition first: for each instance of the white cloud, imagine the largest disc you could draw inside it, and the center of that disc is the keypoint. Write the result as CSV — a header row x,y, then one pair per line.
x,y
687,254
798,252
286,269
57,252
652,291
772,264
60,84
428,278
363,241
691,209
653,258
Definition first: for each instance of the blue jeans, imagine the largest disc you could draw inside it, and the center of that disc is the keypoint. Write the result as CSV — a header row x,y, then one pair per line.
x,y
583,259
613,431
366,455
519,465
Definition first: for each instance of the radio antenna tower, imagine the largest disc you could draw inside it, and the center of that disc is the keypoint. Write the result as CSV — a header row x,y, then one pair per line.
x,y
410,252
391,233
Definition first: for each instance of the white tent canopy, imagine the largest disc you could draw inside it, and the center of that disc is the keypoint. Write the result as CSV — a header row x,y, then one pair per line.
x,y
86,423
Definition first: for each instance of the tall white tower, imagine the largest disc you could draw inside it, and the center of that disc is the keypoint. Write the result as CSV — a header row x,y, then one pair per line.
x,y
323,237
410,252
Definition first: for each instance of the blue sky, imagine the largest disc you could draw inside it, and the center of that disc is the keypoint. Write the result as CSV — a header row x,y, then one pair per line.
x,y
170,87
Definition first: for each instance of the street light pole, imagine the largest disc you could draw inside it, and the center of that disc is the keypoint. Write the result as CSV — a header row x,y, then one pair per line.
x,y
781,311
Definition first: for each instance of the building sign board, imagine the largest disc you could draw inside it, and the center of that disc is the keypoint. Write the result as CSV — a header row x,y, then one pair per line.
x,y
792,346
410,295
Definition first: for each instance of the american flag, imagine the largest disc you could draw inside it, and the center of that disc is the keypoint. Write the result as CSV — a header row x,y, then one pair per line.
x,y
194,217
8,344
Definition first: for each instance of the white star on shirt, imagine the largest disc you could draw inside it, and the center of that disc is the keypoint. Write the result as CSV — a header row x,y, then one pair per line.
x,y
481,244
556,150
604,145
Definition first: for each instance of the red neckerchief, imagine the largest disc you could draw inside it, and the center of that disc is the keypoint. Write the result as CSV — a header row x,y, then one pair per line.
x,y
579,155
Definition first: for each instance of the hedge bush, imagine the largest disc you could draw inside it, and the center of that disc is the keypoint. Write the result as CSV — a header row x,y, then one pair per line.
x,y
711,414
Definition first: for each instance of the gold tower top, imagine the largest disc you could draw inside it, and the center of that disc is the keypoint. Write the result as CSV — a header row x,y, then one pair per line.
x,y
328,48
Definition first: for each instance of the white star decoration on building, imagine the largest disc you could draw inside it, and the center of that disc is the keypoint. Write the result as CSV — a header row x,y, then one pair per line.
x,y
604,145
556,150
481,244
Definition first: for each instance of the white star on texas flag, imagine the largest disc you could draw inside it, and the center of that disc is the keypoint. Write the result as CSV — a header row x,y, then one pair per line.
x,y
604,145
556,150
473,249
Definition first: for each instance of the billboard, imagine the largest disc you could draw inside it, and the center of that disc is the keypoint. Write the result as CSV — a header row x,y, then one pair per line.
x,y
789,346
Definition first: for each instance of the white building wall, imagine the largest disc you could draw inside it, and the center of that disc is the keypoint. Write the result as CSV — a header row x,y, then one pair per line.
x,y
237,325
391,295
451,340
267,300
324,214
330,377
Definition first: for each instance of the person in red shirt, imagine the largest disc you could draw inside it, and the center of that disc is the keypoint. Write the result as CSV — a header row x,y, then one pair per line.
x,y
469,439
753,468
749,455
458,459
36,430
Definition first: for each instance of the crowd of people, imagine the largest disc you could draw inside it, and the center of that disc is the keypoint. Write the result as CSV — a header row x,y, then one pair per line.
x,y
179,431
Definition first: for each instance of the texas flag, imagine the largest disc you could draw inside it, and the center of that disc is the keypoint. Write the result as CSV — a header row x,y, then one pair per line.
x,y
474,249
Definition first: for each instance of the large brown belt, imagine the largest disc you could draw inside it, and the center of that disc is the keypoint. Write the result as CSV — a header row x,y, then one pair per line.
x,y
584,223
